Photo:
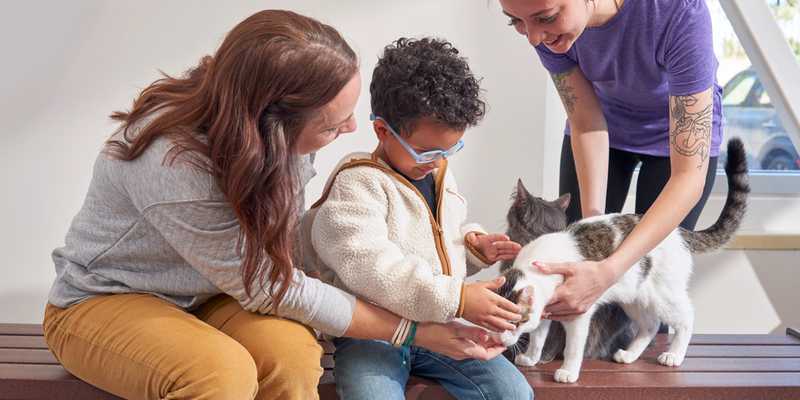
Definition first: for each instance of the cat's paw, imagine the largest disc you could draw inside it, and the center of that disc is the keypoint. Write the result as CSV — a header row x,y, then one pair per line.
x,y
525,361
507,338
669,359
624,357
566,376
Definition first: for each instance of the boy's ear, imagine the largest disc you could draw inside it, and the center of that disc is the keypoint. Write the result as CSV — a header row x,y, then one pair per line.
x,y
380,129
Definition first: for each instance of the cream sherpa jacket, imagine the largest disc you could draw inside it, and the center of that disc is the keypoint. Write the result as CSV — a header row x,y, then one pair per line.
x,y
373,234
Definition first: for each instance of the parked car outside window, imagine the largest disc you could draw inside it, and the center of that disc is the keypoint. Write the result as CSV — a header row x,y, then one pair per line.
x,y
749,114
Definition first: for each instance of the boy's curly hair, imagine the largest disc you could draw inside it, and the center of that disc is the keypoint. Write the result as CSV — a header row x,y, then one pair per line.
x,y
419,78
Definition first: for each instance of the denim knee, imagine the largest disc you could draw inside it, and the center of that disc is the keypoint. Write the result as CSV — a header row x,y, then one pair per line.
x,y
370,369
514,387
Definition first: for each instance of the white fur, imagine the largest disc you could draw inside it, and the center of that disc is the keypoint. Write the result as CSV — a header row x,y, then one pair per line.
x,y
662,297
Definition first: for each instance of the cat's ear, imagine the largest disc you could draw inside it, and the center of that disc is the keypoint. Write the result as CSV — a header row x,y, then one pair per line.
x,y
522,193
563,201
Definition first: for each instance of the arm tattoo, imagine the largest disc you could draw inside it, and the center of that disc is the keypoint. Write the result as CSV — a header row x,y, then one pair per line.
x,y
564,90
691,134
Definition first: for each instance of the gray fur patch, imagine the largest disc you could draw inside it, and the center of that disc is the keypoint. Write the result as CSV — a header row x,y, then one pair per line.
x,y
507,290
530,217
595,240
625,223
646,266
609,331
734,209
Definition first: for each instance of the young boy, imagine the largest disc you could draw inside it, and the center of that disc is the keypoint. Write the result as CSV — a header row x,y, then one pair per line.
x,y
390,228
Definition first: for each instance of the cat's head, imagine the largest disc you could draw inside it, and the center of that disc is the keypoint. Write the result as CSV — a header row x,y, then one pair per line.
x,y
520,291
530,217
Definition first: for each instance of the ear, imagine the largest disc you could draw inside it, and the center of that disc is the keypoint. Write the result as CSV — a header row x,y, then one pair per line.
x,y
521,194
380,130
563,201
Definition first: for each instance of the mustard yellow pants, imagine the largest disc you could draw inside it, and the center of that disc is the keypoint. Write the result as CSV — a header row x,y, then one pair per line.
x,y
138,346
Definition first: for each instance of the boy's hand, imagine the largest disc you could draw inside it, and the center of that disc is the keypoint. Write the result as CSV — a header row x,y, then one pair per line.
x,y
485,308
494,246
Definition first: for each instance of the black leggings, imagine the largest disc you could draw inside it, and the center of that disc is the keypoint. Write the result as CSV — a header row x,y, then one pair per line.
x,y
653,175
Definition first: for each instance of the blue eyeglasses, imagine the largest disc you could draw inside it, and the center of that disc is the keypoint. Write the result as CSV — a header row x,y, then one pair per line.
x,y
425,157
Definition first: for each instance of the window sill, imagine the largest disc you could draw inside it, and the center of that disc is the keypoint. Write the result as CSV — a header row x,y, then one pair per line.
x,y
776,241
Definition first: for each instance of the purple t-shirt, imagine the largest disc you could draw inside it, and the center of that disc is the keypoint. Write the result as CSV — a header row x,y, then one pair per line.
x,y
650,50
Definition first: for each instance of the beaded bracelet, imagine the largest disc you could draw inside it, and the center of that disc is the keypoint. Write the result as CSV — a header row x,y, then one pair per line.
x,y
413,332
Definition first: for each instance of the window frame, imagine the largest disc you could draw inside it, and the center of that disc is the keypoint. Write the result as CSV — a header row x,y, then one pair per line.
x,y
771,57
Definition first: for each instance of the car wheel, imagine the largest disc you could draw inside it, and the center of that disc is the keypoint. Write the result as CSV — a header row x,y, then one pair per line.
x,y
779,161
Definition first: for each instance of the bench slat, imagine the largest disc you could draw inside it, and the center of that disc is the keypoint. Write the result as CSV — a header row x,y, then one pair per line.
x,y
650,365
699,364
729,339
698,339
21,329
22,342
736,351
717,350
27,356
37,382
673,380
742,339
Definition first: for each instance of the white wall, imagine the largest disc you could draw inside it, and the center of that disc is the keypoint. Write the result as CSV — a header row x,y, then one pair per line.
x,y
66,69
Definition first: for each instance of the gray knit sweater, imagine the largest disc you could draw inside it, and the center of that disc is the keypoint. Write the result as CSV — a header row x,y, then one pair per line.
x,y
147,227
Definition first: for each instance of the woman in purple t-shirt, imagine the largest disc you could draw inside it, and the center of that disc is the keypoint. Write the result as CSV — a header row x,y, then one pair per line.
x,y
638,81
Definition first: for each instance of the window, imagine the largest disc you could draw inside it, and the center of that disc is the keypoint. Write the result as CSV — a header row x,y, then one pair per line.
x,y
737,89
763,100
747,109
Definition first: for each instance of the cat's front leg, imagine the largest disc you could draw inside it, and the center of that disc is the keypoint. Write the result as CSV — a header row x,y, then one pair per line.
x,y
576,331
532,356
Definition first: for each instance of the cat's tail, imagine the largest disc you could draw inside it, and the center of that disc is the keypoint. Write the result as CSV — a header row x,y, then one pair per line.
x,y
735,205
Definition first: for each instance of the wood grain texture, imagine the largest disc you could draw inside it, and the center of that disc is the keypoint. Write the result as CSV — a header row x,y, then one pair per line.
x,y
716,367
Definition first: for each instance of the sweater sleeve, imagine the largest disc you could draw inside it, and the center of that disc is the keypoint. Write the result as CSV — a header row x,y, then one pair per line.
x,y
350,234
475,260
205,234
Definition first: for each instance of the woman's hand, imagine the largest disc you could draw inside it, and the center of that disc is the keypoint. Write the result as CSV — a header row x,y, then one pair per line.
x,y
484,307
457,341
495,246
584,283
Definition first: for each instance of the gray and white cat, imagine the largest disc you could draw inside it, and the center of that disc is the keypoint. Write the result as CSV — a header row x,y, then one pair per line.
x,y
654,290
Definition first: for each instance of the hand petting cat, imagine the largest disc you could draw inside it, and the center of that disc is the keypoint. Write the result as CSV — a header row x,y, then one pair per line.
x,y
483,306
584,283
487,309
494,246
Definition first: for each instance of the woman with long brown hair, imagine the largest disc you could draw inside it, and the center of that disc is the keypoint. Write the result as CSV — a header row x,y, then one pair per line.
x,y
177,279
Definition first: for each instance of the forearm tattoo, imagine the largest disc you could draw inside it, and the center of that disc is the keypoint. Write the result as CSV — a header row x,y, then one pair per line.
x,y
691,134
566,92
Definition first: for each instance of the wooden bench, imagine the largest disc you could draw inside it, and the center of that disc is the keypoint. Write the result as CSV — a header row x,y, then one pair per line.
x,y
717,366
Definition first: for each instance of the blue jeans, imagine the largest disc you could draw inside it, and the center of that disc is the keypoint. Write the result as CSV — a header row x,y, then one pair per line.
x,y
373,369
